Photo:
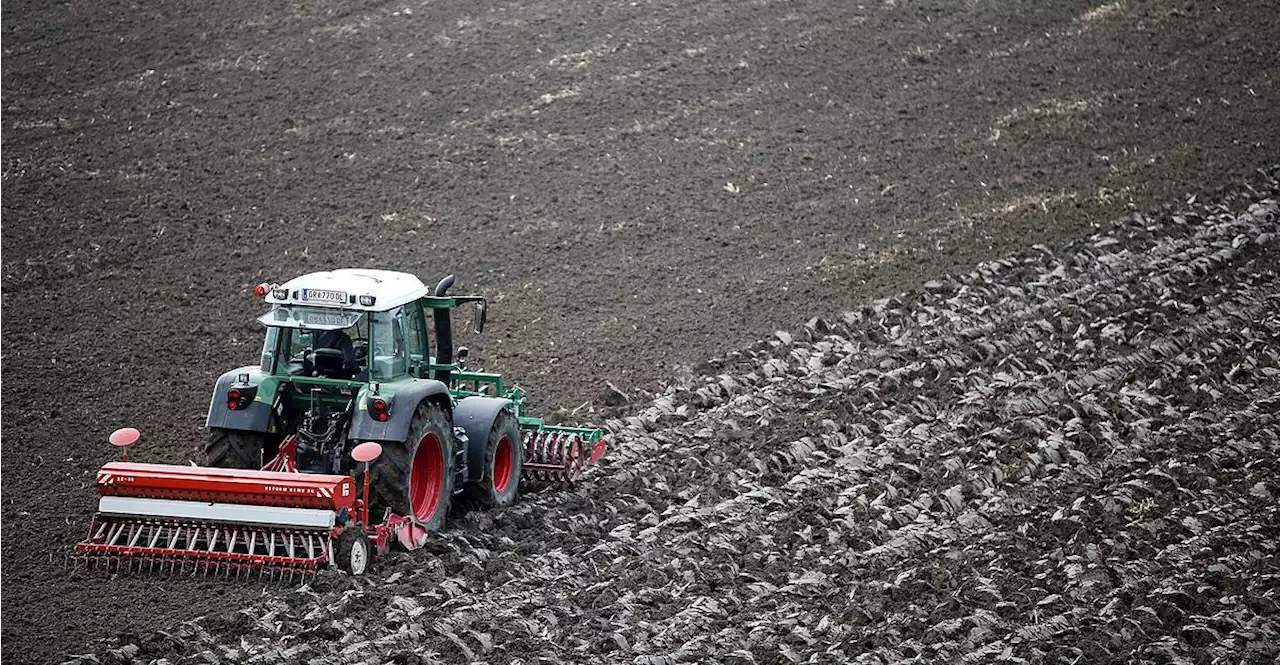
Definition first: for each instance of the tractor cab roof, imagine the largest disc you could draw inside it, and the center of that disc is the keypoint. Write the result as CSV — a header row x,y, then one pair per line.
x,y
350,288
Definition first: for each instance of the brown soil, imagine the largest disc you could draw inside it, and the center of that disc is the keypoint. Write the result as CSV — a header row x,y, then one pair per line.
x,y
637,186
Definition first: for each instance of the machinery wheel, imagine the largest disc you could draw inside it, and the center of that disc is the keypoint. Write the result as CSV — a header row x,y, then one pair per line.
x,y
414,477
234,449
352,551
503,465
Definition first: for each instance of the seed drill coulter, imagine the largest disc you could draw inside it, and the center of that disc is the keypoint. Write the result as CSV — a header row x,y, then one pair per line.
x,y
358,429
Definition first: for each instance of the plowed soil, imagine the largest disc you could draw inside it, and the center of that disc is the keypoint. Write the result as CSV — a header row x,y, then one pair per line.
x,y
1059,457
638,187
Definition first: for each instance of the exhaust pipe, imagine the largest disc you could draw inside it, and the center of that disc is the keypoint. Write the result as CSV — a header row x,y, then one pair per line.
x,y
444,331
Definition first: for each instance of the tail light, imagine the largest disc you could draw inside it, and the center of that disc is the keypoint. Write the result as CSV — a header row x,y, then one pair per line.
x,y
380,409
239,397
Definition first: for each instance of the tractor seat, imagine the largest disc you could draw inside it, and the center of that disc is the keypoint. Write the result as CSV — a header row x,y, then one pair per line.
x,y
331,364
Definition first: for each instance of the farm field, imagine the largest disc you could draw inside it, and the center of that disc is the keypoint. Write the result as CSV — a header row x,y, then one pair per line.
x,y
1072,449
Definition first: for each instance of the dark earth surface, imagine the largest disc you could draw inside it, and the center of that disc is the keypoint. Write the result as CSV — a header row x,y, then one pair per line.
x,y
1058,457
638,187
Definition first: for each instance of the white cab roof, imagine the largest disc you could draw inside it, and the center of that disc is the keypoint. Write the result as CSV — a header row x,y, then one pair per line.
x,y
321,289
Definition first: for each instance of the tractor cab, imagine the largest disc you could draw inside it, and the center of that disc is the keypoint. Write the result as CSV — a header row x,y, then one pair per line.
x,y
352,325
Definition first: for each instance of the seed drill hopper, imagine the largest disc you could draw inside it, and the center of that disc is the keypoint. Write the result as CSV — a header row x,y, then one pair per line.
x,y
359,429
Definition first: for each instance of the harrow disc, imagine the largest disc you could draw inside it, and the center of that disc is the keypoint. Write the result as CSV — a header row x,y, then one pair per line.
x,y
552,457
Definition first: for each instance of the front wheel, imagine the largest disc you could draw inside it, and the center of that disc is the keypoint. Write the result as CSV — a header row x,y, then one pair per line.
x,y
503,464
234,449
414,477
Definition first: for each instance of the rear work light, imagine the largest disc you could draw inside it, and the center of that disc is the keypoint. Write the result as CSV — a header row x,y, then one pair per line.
x,y
280,294
380,409
367,301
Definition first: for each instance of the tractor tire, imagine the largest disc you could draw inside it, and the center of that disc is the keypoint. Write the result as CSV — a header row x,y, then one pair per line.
x,y
234,449
352,551
414,477
503,465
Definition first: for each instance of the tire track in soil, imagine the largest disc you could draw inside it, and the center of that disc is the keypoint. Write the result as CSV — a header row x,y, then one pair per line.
x,y
1053,458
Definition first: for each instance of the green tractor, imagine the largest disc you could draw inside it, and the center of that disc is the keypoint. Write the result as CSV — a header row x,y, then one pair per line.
x,y
354,356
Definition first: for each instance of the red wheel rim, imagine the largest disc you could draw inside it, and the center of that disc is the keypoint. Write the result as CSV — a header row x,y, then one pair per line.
x,y
503,459
426,478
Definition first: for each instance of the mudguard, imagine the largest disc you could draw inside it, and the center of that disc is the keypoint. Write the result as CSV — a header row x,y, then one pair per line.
x,y
255,418
403,404
476,415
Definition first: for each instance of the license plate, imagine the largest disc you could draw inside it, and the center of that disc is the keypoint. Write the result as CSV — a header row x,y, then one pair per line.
x,y
325,319
319,295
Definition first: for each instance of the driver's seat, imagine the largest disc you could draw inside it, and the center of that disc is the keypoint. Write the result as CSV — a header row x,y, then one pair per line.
x,y
334,356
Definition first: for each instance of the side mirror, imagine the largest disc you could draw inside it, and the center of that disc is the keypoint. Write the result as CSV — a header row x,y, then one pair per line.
x,y
482,312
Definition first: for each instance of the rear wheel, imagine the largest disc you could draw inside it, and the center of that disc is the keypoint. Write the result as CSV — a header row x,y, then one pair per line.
x,y
234,449
503,464
414,477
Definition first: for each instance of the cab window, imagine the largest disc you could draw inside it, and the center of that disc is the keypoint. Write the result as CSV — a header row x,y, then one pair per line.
x,y
390,357
416,337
